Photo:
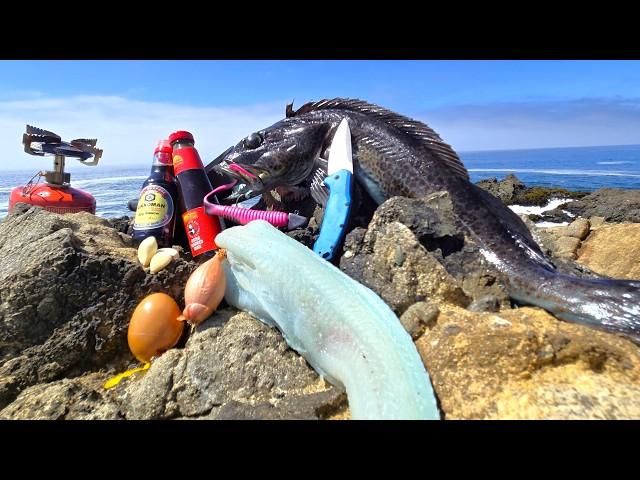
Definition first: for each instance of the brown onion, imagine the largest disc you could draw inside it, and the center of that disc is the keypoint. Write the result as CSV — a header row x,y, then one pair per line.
x,y
204,290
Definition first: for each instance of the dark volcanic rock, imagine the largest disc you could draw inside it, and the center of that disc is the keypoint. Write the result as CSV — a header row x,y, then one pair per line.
x,y
122,224
412,250
512,191
232,367
68,285
81,398
506,189
557,215
615,205
540,196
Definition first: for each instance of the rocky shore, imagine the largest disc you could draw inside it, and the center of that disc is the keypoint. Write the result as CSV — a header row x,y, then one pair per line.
x,y
68,285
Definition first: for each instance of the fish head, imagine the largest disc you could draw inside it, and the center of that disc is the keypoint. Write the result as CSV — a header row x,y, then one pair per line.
x,y
280,155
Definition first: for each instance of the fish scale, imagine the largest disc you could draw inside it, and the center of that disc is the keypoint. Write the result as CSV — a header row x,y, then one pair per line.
x,y
397,156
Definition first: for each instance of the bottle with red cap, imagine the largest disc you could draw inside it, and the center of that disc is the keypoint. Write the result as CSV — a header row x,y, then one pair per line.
x,y
156,210
193,185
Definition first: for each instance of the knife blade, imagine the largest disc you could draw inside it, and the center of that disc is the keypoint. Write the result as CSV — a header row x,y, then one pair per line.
x,y
339,182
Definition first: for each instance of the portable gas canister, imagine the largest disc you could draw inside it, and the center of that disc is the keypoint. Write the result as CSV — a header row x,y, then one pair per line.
x,y
56,194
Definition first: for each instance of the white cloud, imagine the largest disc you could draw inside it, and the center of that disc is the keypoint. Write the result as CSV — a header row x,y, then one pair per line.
x,y
127,130
538,124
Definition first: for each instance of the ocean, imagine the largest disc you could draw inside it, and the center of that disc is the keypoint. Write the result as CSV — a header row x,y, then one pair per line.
x,y
575,168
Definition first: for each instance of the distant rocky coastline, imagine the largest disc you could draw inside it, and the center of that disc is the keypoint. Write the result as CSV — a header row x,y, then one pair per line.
x,y
65,303
512,191
612,204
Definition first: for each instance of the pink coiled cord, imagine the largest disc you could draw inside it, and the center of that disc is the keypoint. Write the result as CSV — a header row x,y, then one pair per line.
x,y
245,215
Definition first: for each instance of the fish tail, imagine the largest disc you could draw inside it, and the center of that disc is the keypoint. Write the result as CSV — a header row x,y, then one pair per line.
x,y
607,304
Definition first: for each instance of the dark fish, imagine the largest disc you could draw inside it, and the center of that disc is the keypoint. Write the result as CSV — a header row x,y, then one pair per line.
x,y
397,156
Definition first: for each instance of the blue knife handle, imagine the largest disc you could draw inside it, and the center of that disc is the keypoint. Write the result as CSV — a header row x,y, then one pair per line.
x,y
336,214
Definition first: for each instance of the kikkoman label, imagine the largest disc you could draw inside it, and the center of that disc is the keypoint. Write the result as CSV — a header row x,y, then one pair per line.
x,y
155,208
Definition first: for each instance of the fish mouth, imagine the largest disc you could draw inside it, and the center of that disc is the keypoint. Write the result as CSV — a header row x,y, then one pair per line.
x,y
251,179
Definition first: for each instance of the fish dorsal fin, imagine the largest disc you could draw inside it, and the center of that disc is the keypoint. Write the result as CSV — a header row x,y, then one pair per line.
x,y
419,131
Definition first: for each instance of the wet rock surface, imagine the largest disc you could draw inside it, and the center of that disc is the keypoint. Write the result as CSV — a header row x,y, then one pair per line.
x,y
557,215
615,205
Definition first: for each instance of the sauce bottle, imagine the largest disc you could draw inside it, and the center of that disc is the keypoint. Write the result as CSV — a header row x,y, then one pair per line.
x,y
156,210
193,185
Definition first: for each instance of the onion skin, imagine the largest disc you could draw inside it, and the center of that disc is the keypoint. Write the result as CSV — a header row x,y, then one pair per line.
x,y
205,290
154,326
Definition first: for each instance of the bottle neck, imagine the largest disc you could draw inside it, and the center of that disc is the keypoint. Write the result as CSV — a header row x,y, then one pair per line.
x,y
182,143
185,156
162,167
162,159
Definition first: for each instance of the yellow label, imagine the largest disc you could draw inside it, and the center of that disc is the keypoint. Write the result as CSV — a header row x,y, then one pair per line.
x,y
155,208
177,160
189,216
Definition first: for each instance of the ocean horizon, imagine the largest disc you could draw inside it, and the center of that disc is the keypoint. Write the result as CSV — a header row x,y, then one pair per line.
x,y
572,168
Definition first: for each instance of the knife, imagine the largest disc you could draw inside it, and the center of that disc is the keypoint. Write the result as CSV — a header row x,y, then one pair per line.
x,y
338,181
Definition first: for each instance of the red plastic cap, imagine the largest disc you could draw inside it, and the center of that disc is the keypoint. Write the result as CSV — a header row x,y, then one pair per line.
x,y
180,135
163,146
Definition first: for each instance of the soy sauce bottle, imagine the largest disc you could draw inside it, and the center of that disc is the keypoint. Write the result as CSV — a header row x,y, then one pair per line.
x,y
194,185
156,210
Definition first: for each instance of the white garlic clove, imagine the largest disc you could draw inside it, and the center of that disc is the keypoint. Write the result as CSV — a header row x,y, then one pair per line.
x,y
147,249
170,251
159,261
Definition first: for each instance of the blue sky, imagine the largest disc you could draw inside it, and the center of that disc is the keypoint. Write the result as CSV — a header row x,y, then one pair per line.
x,y
474,105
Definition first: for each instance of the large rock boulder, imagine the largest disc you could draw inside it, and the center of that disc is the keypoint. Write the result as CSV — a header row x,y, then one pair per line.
x,y
613,250
413,250
506,189
68,285
232,367
525,364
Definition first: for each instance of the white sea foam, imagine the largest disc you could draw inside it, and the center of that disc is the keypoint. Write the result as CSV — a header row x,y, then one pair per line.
x,y
551,224
551,205
617,162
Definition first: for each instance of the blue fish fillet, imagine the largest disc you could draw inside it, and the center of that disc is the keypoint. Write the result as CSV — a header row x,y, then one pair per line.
x,y
343,329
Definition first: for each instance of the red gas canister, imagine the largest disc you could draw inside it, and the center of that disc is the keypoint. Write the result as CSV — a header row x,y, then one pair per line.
x,y
57,199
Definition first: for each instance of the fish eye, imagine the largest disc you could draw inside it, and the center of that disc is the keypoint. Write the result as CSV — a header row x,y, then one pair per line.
x,y
253,141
